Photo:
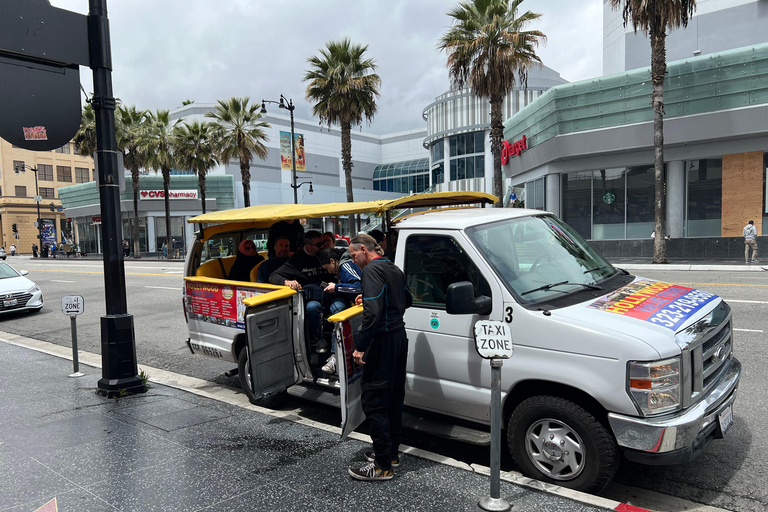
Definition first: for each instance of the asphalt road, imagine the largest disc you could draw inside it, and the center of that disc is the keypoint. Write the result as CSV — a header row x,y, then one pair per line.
x,y
731,474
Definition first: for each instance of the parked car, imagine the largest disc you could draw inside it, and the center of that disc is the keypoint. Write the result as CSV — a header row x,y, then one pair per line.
x,y
341,243
3,254
17,293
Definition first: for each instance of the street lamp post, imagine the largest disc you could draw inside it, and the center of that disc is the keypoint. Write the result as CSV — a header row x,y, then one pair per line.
x,y
290,107
21,169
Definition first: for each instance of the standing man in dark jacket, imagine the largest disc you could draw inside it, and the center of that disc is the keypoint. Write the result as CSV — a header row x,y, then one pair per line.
x,y
382,346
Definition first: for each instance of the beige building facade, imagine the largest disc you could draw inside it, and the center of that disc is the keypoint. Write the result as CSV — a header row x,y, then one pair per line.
x,y
18,190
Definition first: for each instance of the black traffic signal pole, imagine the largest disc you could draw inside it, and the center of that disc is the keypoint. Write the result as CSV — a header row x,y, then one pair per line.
x,y
118,346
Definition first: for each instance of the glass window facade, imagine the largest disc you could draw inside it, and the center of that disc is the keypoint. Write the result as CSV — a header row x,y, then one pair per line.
x,y
437,151
609,204
704,183
64,173
535,194
467,156
45,172
407,177
438,174
577,201
47,193
82,175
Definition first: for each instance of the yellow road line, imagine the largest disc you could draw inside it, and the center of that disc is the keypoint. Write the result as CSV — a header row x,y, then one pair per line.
x,y
100,272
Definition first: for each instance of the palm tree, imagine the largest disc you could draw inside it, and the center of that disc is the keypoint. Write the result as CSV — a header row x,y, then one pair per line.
x,y
195,151
489,50
654,18
129,122
344,86
239,132
157,144
85,138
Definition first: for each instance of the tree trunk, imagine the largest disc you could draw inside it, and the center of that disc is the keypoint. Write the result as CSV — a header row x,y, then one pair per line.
x,y
497,134
245,176
346,161
201,185
166,186
135,231
658,72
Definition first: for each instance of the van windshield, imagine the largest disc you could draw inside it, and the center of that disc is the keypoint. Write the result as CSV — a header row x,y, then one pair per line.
x,y
540,258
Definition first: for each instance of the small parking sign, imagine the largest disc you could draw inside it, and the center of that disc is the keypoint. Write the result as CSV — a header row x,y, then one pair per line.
x,y
72,305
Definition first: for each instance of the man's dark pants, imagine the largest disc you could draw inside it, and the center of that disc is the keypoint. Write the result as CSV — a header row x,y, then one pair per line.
x,y
383,391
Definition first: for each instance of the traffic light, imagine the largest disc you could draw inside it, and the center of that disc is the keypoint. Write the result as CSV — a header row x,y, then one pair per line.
x,y
53,207
69,224
14,229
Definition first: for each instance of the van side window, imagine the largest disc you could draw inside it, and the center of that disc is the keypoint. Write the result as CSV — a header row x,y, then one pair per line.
x,y
218,247
432,263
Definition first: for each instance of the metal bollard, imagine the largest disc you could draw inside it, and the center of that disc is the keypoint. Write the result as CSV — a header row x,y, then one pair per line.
x,y
494,502
75,361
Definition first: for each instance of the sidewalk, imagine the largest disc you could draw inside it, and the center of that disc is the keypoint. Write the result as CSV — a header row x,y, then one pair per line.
x,y
634,264
171,449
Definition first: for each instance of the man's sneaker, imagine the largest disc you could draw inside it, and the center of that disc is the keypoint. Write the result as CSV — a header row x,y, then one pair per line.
x,y
755,261
371,472
330,365
370,456
322,346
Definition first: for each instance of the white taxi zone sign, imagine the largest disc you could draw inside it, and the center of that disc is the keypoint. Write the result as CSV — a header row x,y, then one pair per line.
x,y
72,305
493,339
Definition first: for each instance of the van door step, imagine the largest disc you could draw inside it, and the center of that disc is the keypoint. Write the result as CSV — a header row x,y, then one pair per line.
x,y
411,420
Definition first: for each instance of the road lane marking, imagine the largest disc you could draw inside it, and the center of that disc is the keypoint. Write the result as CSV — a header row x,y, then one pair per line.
x,y
61,281
164,288
748,330
747,301
96,272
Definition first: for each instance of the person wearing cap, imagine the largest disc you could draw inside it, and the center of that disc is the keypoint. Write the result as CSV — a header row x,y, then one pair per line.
x,y
247,258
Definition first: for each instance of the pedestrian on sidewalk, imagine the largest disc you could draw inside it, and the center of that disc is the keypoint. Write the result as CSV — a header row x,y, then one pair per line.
x,y
382,347
750,241
13,249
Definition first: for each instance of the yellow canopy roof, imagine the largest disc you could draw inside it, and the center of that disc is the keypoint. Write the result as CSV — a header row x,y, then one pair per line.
x,y
270,213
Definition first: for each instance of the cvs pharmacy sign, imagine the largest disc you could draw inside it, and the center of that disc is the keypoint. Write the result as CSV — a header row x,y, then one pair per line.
x,y
510,149
172,194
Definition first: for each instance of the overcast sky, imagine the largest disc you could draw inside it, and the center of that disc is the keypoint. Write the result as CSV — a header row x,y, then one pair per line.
x,y
168,51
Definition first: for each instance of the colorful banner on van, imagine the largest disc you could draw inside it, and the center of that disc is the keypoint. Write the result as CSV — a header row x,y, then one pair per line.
x,y
668,305
285,151
217,304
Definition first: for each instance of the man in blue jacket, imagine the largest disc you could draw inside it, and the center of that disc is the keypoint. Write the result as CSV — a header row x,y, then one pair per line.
x,y
382,346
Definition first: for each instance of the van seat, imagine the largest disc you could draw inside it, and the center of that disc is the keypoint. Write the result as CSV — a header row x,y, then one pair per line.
x,y
212,268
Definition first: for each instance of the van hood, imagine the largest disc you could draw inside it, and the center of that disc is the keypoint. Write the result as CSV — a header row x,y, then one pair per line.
x,y
646,309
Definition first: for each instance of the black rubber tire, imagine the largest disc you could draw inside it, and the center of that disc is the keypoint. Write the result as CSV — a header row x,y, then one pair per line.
x,y
244,374
598,457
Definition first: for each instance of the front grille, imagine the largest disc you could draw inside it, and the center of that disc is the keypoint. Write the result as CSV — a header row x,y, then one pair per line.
x,y
21,300
707,357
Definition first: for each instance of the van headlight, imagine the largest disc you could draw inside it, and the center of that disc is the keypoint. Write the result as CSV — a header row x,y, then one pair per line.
x,y
655,386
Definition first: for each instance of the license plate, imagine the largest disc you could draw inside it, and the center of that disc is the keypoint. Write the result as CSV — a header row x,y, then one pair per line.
x,y
11,302
726,418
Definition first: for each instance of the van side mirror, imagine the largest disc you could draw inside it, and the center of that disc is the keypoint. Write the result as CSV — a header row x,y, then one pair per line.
x,y
460,300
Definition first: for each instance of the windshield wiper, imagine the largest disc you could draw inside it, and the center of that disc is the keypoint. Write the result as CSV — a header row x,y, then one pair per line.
x,y
548,286
594,269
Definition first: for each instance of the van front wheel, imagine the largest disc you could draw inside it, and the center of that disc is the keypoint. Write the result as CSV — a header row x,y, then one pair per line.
x,y
555,440
244,374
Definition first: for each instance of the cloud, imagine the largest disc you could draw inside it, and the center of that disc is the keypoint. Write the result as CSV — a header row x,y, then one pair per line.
x,y
167,51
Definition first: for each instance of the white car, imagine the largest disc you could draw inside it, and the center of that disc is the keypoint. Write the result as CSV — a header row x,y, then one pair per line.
x,y
17,293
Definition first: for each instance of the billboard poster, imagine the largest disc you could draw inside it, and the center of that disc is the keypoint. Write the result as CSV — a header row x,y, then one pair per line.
x,y
48,231
285,151
664,304
218,304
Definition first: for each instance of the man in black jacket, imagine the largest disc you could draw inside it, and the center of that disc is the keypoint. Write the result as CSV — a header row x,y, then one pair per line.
x,y
382,346
303,270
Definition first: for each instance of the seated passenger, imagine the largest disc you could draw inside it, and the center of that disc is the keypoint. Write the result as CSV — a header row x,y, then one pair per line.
x,y
302,270
339,263
282,250
247,258
289,228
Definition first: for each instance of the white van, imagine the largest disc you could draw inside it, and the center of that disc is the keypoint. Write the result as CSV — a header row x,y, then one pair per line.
x,y
605,362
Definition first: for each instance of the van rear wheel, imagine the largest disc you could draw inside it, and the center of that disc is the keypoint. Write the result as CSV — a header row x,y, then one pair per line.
x,y
555,440
244,374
